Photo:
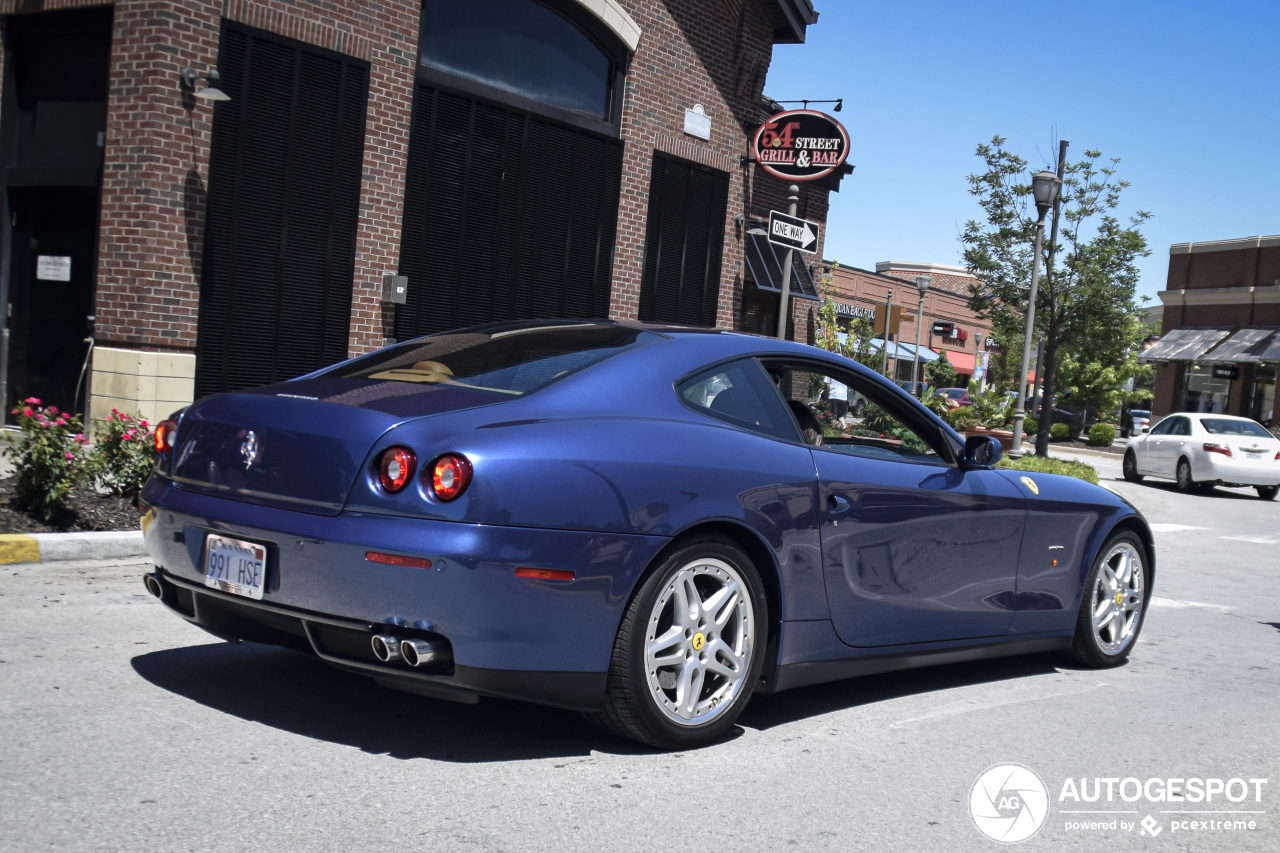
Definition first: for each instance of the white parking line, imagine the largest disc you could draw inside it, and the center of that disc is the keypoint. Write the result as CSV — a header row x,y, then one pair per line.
x,y
1176,604
1260,540
1173,528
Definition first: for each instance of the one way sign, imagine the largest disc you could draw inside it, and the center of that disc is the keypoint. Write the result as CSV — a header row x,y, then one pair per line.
x,y
792,233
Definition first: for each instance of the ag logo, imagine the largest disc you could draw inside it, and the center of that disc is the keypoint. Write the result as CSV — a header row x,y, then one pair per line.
x,y
1008,803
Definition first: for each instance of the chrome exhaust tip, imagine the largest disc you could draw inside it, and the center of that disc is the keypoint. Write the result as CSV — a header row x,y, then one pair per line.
x,y
153,586
386,648
422,652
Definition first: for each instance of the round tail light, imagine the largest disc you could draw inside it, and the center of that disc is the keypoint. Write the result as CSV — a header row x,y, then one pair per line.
x,y
450,476
166,435
396,468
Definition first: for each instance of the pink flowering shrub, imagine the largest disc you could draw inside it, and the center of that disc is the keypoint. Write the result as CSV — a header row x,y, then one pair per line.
x,y
48,459
124,454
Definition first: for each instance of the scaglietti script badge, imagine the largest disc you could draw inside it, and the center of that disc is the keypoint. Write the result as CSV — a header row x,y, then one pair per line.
x,y
249,450
801,145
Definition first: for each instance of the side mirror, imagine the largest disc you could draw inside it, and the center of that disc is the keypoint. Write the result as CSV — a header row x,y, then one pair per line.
x,y
982,451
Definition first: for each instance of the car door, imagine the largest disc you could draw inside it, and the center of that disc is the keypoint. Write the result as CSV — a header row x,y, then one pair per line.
x,y
1172,445
915,549
1147,448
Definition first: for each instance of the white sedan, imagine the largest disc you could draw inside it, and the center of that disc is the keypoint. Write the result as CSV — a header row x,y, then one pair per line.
x,y
1200,450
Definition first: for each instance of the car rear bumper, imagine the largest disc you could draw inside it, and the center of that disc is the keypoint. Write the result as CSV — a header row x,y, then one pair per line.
x,y
1237,472
540,640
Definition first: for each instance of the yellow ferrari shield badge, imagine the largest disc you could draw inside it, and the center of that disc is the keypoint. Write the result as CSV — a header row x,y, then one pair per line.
x,y
1031,484
699,641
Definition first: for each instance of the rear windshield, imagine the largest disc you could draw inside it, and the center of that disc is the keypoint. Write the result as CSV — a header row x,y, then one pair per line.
x,y
504,360
1140,413
1225,426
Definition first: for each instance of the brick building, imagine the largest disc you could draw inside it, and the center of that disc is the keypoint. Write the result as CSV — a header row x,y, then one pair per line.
x,y
1220,342
858,292
226,186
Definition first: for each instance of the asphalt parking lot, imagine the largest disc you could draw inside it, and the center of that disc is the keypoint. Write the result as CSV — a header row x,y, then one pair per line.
x,y
125,728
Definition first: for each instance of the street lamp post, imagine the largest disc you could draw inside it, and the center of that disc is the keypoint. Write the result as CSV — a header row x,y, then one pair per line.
x,y
783,309
1044,188
922,282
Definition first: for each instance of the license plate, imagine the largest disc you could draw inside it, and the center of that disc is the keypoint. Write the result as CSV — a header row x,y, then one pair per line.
x,y
1253,454
235,566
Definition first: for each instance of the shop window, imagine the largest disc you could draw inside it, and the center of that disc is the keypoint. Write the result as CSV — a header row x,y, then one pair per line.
x,y
684,243
508,216
1202,391
1262,401
284,184
519,46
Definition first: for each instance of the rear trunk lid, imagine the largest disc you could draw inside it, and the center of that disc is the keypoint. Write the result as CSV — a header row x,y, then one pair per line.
x,y
299,445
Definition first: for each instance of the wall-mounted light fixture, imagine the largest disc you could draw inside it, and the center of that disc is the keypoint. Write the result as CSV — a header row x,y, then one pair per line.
x,y
210,91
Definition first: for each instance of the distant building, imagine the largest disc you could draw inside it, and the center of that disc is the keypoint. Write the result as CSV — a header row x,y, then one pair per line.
x,y
1220,341
858,292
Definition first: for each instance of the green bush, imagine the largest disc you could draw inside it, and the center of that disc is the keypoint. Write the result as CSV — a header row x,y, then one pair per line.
x,y
964,418
1101,435
124,454
1030,425
1060,432
1041,465
48,460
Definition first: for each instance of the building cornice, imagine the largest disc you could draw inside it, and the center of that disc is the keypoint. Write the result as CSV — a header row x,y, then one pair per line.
x,y
910,266
1224,245
1222,295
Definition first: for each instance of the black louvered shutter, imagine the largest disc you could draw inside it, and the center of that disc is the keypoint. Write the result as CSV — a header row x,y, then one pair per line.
x,y
508,216
684,242
284,184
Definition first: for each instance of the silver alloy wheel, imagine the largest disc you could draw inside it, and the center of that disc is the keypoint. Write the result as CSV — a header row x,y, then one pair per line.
x,y
1116,606
1184,474
1130,464
698,641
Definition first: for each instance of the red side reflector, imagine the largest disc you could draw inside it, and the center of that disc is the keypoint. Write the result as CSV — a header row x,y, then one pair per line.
x,y
545,574
397,560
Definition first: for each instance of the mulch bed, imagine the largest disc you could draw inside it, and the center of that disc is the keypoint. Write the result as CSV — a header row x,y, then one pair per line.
x,y
87,510
1116,449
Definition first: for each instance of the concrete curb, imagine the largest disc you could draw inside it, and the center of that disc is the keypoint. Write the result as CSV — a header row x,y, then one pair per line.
x,y
46,547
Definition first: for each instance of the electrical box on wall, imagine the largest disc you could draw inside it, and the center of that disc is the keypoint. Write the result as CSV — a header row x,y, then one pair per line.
x,y
395,288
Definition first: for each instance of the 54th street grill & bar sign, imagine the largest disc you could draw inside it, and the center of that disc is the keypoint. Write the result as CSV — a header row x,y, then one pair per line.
x,y
801,145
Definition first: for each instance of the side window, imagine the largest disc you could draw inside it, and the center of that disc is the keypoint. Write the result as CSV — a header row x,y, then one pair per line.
x,y
1181,426
1163,427
848,420
739,394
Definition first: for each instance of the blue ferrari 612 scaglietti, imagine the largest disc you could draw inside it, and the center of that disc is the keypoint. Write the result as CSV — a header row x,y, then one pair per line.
x,y
646,524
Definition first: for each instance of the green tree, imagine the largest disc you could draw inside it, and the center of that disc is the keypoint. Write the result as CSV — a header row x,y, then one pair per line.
x,y
857,341
1086,303
939,373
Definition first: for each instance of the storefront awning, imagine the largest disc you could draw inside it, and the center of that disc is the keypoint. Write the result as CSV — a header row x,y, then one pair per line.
x,y
1184,344
908,352
1244,347
765,262
895,351
961,361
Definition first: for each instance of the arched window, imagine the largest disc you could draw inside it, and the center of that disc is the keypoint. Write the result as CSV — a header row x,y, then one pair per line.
x,y
522,47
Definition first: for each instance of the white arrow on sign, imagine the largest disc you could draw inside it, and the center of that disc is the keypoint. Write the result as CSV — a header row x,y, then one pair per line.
x,y
792,233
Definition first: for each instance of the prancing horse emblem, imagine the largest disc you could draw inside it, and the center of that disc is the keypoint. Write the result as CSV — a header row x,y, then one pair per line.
x,y
249,450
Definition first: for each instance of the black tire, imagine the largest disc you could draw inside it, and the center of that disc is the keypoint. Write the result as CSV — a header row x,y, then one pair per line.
x,y
1182,476
1087,648
630,708
1131,467
1268,493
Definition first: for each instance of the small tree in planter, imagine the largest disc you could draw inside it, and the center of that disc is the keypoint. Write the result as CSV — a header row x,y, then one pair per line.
x,y
48,461
940,373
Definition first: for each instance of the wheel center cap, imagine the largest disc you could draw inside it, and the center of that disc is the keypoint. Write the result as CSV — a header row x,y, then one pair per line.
x,y
1119,598
699,641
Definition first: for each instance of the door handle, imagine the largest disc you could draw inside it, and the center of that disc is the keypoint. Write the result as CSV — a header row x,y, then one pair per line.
x,y
837,504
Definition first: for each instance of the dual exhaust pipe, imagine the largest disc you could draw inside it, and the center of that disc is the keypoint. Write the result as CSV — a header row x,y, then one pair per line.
x,y
389,649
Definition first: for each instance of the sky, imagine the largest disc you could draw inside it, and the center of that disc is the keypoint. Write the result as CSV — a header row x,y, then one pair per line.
x,y
1186,94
